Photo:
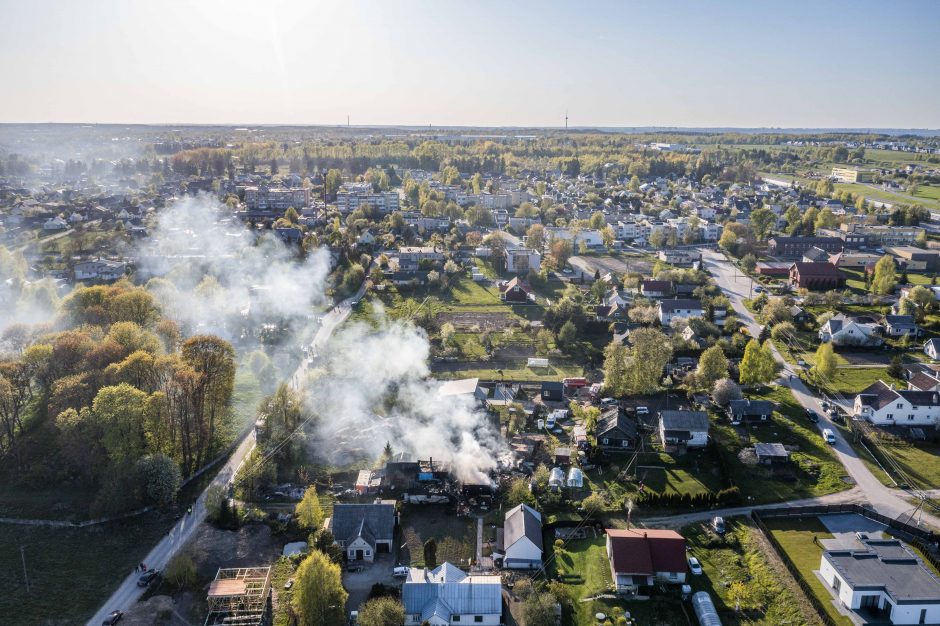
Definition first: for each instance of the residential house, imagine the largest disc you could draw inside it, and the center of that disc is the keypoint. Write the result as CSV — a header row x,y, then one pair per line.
x,y
882,404
926,380
748,410
522,538
553,391
686,308
640,557
656,288
843,330
56,223
99,269
521,260
799,315
688,428
816,276
900,326
885,582
447,595
797,246
516,291
771,453
615,430
363,530
680,257
932,349
411,257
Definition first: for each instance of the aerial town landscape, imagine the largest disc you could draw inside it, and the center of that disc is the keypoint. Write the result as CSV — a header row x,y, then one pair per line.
x,y
502,370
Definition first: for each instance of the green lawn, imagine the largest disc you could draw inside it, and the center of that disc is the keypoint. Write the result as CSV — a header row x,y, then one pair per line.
x,y
815,469
553,372
57,503
737,558
919,462
796,538
851,380
692,473
455,536
71,571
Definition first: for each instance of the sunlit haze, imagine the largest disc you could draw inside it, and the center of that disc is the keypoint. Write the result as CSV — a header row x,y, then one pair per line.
x,y
780,64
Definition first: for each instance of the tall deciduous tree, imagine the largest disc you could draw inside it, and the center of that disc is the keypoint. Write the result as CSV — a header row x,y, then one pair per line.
x,y
648,356
308,510
319,598
758,365
615,369
885,276
382,612
825,366
712,366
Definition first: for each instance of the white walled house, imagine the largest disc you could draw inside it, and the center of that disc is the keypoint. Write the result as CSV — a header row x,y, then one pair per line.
x,y
640,557
447,595
885,582
689,428
522,538
687,308
848,331
883,405
363,530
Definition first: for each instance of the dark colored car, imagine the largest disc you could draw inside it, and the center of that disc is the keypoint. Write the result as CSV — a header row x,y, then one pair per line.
x,y
146,578
113,618
812,416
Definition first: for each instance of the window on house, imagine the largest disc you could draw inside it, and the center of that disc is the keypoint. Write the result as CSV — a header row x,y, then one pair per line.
x,y
605,441
455,618
900,405
625,443
911,416
890,416
478,619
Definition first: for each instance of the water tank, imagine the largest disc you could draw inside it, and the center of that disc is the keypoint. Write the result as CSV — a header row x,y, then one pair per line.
x,y
705,609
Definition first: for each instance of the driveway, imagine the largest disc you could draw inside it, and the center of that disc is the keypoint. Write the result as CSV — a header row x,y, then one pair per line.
x,y
359,584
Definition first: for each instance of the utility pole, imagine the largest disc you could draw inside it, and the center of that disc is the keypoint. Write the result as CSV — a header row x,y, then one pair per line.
x,y
25,575
566,119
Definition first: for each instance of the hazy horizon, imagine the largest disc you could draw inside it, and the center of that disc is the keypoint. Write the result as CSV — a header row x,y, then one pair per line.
x,y
677,65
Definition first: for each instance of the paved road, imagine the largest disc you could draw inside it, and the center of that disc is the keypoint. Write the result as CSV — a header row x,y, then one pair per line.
x,y
128,592
887,501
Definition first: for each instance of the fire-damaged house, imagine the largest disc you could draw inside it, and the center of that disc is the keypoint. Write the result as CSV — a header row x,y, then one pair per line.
x,y
363,530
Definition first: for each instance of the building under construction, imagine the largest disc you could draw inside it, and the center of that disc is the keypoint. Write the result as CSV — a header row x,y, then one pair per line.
x,y
240,596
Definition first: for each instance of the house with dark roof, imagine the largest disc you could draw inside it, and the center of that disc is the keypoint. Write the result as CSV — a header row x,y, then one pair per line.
x,y
553,391
689,428
797,246
748,410
900,326
924,381
771,453
815,255
679,307
362,530
883,405
816,276
447,595
615,430
842,330
522,538
885,582
516,291
639,557
656,288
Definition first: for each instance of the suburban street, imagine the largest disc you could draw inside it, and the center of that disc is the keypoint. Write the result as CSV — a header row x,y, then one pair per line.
x,y
128,592
887,501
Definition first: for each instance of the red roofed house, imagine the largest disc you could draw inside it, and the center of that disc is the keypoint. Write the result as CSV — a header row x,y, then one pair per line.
x,y
640,556
516,290
821,276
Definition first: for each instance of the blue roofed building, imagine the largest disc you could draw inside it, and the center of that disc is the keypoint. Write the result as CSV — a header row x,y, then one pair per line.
x,y
447,595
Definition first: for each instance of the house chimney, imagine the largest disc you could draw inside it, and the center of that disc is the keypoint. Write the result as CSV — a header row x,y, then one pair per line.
x,y
644,534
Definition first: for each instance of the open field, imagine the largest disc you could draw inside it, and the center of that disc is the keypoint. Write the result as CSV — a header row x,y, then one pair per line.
x,y
455,536
56,503
796,538
71,571
520,372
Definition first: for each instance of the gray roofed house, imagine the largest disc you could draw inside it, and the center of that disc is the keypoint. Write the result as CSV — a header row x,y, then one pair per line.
x,y
750,410
689,428
522,538
363,529
932,348
885,580
883,404
447,595
615,430
900,326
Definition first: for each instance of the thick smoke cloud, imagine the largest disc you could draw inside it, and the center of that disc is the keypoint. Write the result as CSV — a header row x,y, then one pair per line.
x,y
378,389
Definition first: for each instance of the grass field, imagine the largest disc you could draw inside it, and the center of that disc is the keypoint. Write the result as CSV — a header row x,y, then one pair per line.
x,y
920,463
816,471
455,536
796,538
71,571
851,380
738,558
57,503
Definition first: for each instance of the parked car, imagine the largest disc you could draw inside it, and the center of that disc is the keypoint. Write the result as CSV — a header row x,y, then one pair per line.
x,y
758,289
113,618
607,402
146,578
812,415
694,566
718,525
401,571
642,410
829,437
289,583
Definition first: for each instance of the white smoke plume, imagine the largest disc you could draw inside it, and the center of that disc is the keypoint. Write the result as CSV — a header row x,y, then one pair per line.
x,y
378,389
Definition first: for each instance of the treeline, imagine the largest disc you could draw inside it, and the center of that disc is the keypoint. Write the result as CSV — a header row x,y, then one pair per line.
x,y
110,396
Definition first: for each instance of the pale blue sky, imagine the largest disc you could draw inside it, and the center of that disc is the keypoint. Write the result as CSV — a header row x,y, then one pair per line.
x,y
665,63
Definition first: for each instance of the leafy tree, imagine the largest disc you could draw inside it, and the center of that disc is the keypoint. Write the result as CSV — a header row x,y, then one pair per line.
x,y
783,331
518,493
567,335
726,390
159,478
749,262
885,277
539,609
598,221
594,503
758,365
535,237
308,510
324,541
825,366
331,183
384,611
650,352
291,215
430,553
762,222
181,571
615,369
319,598
712,366
608,236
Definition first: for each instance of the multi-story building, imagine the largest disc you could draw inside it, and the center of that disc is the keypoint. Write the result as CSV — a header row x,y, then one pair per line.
x,y
882,404
797,246
884,235
264,201
851,175
353,195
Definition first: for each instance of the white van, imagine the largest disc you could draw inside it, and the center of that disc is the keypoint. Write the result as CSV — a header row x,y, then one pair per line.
x,y
829,437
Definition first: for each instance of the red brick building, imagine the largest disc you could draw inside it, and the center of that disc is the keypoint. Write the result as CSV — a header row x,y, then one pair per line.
x,y
816,276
